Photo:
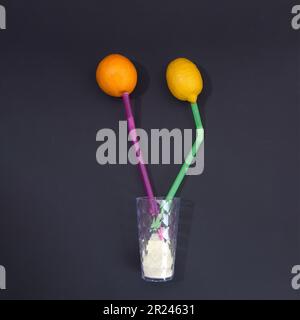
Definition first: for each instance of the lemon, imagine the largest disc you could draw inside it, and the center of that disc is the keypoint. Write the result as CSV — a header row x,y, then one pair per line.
x,y
184,79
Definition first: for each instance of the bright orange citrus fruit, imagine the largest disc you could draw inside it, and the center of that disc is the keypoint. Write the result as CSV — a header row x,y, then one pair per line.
x,y
116,75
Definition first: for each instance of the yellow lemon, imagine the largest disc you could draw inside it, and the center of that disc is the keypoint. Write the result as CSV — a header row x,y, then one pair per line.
x,y
184,79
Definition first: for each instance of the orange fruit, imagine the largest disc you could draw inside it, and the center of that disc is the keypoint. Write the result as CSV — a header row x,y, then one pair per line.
x,y
116,75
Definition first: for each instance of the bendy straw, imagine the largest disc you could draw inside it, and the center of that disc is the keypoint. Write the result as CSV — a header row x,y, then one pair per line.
x,y
117,76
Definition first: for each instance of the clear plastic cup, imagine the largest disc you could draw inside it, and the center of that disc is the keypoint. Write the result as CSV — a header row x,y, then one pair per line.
x,y
158,227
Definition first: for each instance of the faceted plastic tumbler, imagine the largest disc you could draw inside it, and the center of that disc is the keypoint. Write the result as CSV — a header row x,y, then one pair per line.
x,y
158,226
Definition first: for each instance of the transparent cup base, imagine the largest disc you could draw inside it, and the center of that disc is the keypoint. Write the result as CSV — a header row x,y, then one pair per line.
x,y
157,279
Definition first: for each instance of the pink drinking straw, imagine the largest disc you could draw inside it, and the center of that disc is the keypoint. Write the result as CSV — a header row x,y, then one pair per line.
x,y
133,135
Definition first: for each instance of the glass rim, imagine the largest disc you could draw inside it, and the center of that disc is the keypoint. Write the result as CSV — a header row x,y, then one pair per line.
x,y
144,198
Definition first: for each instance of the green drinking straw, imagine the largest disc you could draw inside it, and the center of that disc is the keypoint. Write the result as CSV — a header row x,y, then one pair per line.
x,y
191,155
157,221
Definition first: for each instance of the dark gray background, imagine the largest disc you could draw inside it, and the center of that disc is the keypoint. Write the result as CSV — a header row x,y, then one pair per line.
x,y
68,225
